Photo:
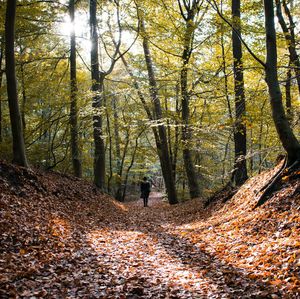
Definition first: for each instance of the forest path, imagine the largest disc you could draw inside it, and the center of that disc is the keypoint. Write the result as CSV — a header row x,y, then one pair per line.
x,y
153,255
61,238
152,252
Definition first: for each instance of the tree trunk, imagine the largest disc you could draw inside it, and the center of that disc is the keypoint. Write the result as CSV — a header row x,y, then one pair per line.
x,y
177,132
110,154
75,152
119,192
155,130
163,148
24,97
240,139
190,170
97,88
130,166
1,77
288,96
19,155
118,150
286,135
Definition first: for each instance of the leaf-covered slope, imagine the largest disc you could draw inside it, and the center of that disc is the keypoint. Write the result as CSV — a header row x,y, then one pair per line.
x,y
61,238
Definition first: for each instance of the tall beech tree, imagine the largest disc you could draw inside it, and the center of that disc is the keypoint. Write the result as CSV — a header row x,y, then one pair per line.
x,y
97,88
19,155
191,10
75,152
285,133
240,138
98,79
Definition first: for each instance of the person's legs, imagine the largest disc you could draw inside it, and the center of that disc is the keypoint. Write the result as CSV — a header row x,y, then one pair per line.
x,y
145,201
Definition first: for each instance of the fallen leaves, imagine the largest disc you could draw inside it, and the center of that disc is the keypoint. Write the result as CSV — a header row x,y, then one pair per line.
x,y
64,239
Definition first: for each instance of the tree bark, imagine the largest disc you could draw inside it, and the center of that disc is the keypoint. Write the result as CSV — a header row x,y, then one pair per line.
x,y
288,95
19,155
285,133
97,88
110,154
163,148
1,77
240,138
24,97
190,170
75,152
118,150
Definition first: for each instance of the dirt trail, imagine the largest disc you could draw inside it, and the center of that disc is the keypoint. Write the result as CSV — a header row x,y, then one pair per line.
x,y
151,256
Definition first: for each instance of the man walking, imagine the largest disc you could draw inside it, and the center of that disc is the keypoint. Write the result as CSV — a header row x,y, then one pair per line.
x,y
145,190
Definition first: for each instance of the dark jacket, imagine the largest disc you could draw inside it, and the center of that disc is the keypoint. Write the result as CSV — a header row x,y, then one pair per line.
x,y
145,189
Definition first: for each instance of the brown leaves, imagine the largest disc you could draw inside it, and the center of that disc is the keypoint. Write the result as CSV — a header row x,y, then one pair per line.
x,y
78,243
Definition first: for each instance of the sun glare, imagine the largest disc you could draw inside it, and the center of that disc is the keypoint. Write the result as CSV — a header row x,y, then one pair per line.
x,y
81,28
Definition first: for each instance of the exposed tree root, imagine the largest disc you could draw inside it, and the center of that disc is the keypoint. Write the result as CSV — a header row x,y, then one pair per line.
x,y
270,186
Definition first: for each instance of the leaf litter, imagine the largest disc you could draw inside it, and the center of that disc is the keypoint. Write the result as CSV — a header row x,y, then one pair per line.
x,y
62,238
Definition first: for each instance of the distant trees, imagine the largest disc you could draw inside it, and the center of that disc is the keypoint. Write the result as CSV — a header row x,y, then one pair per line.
x,y
163,106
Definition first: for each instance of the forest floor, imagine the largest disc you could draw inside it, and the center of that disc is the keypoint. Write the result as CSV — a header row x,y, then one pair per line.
x,y
62,238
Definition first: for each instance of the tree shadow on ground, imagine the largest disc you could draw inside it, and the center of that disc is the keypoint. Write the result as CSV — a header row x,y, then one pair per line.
x,y
218,277
118,267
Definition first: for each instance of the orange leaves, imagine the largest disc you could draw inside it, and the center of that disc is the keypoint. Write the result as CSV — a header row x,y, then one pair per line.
x,y
92,247
285,178
22,251
276,282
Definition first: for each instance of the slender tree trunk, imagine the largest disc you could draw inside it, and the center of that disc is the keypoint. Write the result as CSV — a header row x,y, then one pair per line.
x,y
75,152
225,75
289,35
190,170
177,132
163,148
186,138
226,89
130,166
109,134
150,115
288,96
116,131
19,155
119,192
117,147
240,139
286,135
24,97
97,88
